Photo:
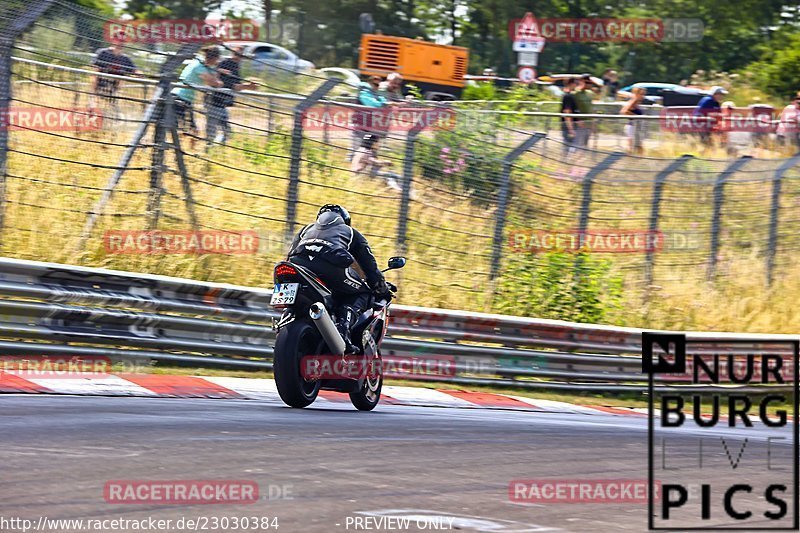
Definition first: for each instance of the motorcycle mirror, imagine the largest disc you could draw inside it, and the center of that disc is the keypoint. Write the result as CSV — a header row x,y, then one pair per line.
x,y
396,262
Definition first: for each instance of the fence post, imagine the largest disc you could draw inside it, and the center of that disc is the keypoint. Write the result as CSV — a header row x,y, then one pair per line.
x,y
777,185
167,76
157,166
408,178
502,199
588,183
655,210
9,31
716,217
297,151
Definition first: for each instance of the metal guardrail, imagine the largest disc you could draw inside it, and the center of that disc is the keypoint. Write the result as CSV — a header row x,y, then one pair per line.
x,y
54,309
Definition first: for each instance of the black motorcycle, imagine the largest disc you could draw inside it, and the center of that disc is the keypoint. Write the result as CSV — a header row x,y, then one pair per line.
x,y
309,351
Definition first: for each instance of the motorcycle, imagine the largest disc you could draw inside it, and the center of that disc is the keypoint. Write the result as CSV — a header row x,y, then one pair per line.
x,y
309,351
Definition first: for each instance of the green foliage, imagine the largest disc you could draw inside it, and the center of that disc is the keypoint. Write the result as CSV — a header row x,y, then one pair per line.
x,y
104,7
174,9
777,72
480,91
470,167
413,90
558,285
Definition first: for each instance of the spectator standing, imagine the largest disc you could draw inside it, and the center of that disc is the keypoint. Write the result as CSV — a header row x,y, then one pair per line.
x,y
610,84
218,102
635,129
370,117
569,124
583,97
787,131
392,88
111,60
707,109
198,73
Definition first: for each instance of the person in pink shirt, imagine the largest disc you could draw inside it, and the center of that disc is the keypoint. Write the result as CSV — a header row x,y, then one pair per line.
x,y
787,130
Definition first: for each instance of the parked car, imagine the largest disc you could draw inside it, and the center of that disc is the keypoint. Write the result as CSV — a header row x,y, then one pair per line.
x,y
350,77
657,91
267,55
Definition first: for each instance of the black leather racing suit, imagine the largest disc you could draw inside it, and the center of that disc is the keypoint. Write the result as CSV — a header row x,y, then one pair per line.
x,y
328,247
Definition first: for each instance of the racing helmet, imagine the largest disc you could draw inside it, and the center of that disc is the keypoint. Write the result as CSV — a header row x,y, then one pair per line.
x,y
335,208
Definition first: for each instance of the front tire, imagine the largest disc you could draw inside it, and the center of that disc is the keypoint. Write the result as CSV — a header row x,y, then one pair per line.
x,y
295,341
368,397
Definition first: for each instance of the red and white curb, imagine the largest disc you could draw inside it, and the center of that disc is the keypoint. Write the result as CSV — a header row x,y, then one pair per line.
x,y
164,386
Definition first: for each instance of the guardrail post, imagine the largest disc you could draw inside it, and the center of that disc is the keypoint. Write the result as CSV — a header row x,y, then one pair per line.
x,y
297,151
11,28
408,178
777,185
655,210
502,199
716,217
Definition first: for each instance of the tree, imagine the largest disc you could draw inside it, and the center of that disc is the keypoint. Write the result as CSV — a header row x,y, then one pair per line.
x,y
174,9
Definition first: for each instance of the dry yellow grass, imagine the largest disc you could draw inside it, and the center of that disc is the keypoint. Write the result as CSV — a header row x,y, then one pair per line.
x,y
244,187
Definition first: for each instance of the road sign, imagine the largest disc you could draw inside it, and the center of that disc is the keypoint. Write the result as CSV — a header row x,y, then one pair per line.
x,y
528,46
526,74
528,29
527,37
528,59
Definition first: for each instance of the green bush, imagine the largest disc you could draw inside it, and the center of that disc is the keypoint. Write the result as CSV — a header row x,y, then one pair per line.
x,y
471,167
777,72
558,285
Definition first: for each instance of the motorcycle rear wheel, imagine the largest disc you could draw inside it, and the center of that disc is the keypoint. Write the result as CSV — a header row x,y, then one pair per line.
x,y
295,341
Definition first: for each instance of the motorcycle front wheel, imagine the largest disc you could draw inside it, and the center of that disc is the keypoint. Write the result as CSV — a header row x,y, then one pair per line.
x,y
295,341
368,397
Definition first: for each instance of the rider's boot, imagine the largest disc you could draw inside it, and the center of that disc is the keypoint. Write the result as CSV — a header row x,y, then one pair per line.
x,y
347,319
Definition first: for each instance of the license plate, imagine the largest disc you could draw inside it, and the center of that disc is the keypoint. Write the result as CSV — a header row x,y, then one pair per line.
x,y
284,293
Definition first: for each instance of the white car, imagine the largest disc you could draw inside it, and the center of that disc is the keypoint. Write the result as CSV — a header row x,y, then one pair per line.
x,y
270,56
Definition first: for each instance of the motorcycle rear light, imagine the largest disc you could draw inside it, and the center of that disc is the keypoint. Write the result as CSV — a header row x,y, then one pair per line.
x,y
285,270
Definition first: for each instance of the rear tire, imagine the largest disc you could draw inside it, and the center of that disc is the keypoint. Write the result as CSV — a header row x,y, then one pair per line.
x,y
370,394
295,341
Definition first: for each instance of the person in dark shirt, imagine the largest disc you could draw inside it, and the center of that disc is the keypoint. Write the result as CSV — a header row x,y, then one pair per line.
x,y
111,60
217,103
569,124
709,106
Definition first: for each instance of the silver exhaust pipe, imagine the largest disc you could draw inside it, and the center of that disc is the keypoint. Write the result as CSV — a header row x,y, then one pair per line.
x,y
327,328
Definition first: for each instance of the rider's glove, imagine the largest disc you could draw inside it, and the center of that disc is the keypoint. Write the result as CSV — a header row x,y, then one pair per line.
x,y
380,288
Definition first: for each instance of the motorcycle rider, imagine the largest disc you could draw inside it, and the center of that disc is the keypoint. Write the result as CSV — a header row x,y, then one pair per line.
x,y
329,247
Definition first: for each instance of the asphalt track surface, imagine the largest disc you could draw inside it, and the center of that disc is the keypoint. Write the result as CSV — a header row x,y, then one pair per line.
x,y
58,452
